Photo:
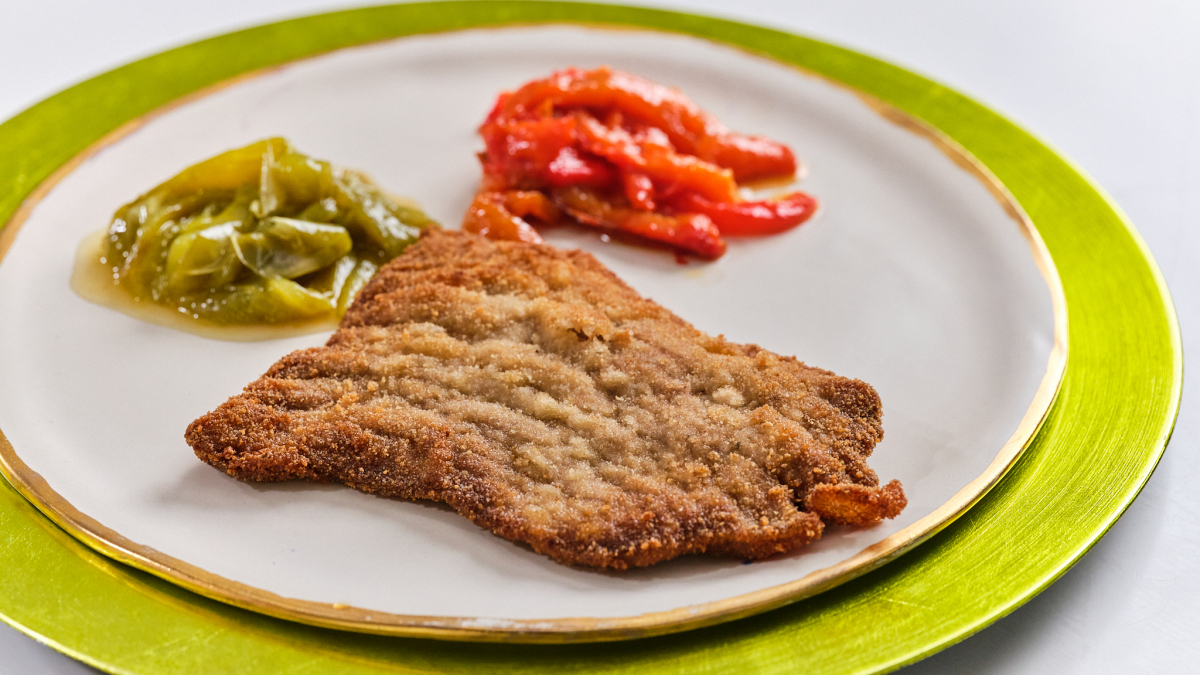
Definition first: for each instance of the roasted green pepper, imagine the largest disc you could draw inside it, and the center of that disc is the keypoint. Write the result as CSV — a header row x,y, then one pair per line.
x,y
261,234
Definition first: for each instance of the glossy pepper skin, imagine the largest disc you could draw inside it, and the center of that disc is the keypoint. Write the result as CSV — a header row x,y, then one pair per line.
x,y
689,129
618,152
501,214
691,232
768,216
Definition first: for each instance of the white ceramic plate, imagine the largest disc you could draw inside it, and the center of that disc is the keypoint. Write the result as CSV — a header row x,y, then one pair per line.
x,y
913,277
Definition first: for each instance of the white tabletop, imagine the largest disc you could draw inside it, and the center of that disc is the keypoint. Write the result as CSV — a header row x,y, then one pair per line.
x,y
1114,85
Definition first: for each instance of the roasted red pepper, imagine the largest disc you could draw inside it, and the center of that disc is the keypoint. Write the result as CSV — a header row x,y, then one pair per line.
x,y
770,216
532,154
691,232
616,151
500,215
690,129
650,153
639,190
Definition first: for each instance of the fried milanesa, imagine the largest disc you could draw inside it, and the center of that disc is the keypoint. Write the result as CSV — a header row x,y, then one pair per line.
x,y
538,395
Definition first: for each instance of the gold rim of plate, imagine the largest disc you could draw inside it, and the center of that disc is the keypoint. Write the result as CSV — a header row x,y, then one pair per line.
x,y
572,629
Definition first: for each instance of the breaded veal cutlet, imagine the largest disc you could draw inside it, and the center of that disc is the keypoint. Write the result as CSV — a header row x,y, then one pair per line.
x,y
538,395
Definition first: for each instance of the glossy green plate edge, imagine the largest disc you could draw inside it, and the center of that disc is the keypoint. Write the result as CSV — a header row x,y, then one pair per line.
x,y
1098,446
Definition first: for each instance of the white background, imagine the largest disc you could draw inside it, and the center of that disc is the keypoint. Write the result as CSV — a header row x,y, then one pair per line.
x,y
1114,85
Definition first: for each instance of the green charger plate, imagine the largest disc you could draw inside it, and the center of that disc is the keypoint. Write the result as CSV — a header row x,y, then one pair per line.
x,y
1098,446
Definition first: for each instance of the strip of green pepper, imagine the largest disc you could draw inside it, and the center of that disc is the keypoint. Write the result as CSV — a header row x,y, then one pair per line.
x,y
260,234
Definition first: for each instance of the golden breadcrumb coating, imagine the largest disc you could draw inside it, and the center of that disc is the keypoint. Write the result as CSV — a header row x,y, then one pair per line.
x,y
534,392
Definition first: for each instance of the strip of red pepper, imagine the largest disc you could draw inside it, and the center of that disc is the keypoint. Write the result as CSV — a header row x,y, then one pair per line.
x,y
650,153
690,130
499,215
531,147
692,232
532,154
770,216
